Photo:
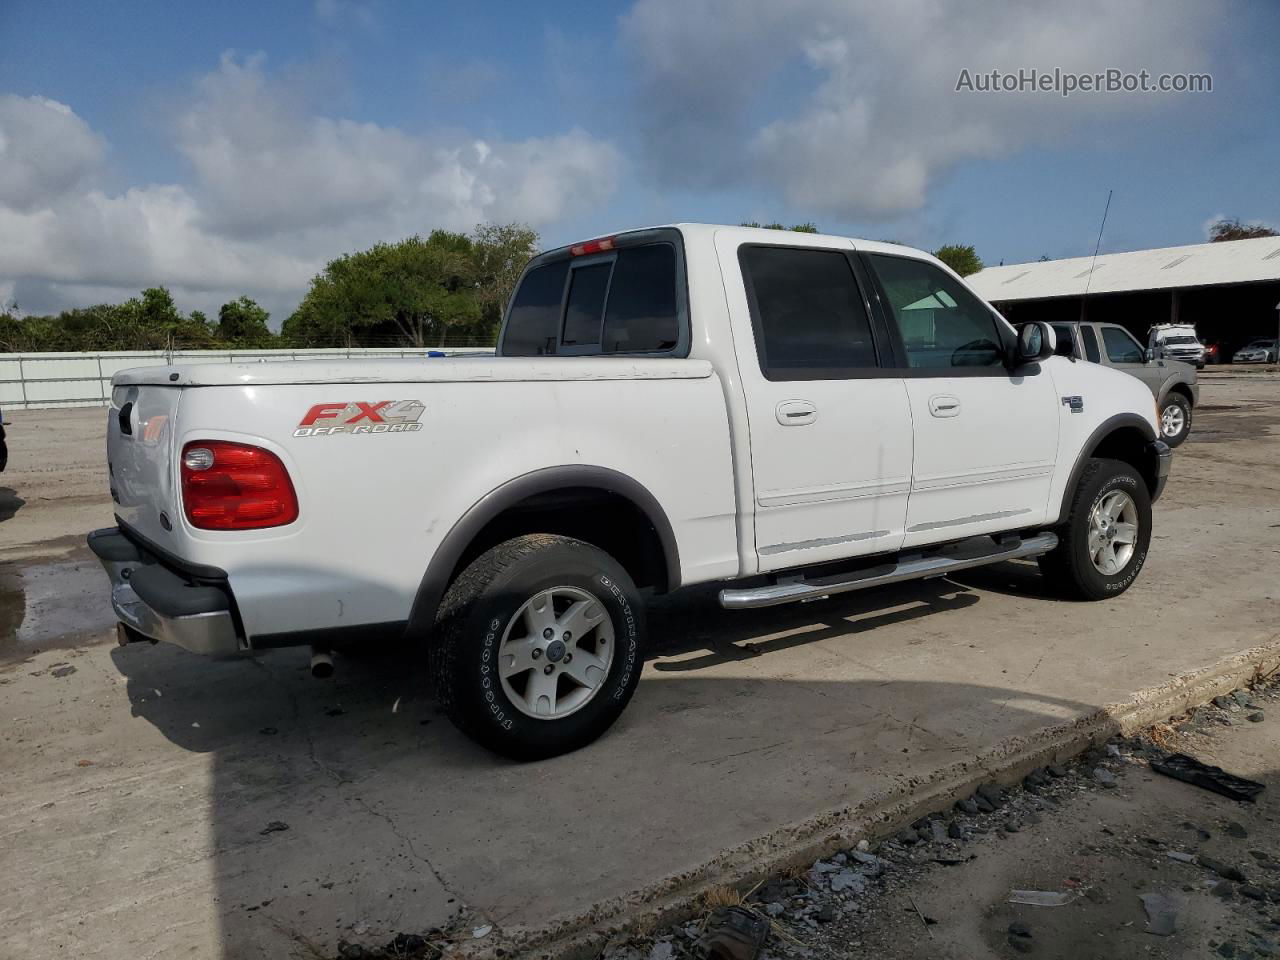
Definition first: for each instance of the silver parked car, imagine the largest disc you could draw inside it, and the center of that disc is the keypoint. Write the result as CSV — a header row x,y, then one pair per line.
x,y
1172,382
1259,351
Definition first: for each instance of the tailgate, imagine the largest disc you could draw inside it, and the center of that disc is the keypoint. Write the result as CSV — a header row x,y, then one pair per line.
x,y
140,438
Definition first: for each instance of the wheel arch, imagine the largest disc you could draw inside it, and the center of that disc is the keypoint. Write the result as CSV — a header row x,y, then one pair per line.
x,y
1126,437
1182,388
596,504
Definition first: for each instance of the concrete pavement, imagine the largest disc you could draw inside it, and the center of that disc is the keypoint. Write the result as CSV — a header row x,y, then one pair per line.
x,y
140,788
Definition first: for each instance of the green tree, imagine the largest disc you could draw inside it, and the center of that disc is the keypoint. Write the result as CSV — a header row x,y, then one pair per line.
x,y
499,252
964,260
796,228
413,291
1226,229
242,323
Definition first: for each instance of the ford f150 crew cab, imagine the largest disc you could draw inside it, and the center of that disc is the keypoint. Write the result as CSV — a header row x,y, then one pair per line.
x,y
1172,382
792,415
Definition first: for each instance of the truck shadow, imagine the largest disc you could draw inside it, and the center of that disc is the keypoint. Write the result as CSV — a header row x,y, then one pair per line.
x,y
351,809
10,503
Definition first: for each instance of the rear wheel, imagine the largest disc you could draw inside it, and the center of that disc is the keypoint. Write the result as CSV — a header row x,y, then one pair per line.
x,y
1175,419
537,647
1103,543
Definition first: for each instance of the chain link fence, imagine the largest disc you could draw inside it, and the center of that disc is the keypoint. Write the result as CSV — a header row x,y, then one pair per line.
x,y
31,381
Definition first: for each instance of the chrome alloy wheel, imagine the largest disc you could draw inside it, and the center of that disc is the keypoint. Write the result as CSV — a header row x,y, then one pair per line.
x,y
1113,532
556,652
1172,420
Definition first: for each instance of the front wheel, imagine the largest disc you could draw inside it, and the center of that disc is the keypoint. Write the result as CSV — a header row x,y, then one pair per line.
x,y
1175,419
1103,543
538,646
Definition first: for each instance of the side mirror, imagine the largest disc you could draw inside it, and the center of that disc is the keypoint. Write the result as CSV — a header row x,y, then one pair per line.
x,y
1148,355
1036,341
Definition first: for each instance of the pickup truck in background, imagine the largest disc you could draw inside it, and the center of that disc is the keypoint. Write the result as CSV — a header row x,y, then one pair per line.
x,y
1172,382
792,415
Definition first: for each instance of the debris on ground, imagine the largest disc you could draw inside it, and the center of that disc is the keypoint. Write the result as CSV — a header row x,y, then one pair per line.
x,y
1190,770
1162,913
732,933
275,826
1198,879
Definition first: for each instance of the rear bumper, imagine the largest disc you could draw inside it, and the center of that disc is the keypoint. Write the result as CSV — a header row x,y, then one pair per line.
x,y
159,603
1164,460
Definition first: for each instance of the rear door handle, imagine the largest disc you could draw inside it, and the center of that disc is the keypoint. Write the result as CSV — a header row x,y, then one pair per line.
x,y
796,413
944,405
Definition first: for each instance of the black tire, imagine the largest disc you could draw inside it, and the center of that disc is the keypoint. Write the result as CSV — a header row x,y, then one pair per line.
x,y
1184,405
1069,568
474,616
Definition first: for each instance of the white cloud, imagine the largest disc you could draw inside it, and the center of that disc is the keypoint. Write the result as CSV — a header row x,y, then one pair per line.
x,y
871,118
276,191
45,150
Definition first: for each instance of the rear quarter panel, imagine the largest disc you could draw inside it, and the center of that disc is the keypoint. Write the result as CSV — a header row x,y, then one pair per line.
x,y
374,507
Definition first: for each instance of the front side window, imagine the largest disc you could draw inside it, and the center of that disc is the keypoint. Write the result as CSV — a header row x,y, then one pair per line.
x,y
1121,347
809,316
1066,347
1090,345
942,324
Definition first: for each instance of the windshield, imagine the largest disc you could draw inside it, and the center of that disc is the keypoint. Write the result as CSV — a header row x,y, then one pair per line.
x,y
1261,343
1182,340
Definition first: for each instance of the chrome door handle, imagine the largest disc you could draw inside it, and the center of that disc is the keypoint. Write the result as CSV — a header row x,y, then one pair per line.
x,y
944,405
796,413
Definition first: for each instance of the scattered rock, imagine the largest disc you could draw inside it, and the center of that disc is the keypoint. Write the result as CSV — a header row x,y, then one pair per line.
x,y
1162,913
849,880
1236,830
908,837
1252,892
967,805
1020,944
268,731
275,826
984,805
1056,770
826,913
1019,929
1104,776
1225,870
992,793
955,831
937,831
1180,856
351,951
64,670
1223,702
774,909
662,950
1012,826
1256,717
1224,890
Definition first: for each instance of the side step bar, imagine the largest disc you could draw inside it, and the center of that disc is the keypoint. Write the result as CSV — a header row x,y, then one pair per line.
x,y
957,557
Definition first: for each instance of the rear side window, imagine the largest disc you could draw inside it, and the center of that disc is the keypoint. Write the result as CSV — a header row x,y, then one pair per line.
x,y
809,316
1090,345
533,326
1121,347
941,323
624,302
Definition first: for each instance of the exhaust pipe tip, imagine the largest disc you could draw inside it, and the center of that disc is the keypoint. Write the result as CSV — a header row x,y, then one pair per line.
x,y
321,663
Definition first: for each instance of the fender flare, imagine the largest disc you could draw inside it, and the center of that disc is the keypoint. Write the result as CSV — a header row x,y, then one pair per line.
x,y
435,581
1101,432
1172,384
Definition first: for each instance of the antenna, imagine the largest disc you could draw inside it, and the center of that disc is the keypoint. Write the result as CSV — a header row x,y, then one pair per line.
x,y
1098,245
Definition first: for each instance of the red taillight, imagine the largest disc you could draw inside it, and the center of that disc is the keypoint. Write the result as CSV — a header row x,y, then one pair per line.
x,y
592,246
235,486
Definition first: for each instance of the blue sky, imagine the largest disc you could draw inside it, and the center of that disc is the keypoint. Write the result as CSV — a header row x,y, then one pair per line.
x,y
234,147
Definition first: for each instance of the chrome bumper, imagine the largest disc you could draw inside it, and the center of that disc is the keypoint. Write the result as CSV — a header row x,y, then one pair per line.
x,y
167,614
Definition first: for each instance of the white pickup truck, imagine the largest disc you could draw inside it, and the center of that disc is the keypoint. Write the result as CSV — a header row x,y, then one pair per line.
x,y
790,414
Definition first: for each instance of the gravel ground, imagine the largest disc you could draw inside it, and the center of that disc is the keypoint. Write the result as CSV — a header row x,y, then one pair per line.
x,y
1099,833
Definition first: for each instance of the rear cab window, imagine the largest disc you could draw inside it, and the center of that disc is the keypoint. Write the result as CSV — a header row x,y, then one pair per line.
x,y
623,295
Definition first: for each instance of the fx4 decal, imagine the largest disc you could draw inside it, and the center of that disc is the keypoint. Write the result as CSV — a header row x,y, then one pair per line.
x,y
361,417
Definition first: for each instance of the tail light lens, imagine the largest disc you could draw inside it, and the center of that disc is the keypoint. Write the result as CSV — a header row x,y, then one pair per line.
x,y
235,486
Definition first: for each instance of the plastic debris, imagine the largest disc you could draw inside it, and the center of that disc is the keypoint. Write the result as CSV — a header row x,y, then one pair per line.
x,y
1040,898
732,933
1180,856
1162,913
482,931
1190,770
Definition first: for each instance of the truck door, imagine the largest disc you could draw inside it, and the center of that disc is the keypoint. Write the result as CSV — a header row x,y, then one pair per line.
x,y
1125,353
830,426
985,440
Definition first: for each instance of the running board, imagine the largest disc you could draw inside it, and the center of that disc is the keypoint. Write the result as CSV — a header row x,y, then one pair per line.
x,y
909,568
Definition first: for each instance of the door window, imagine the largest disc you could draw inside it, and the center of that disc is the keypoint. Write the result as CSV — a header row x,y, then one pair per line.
x,y
1090,345
1121,347
809,317
942,324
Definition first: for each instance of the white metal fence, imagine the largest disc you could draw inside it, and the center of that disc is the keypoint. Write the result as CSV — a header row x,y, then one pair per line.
x,y
32,380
